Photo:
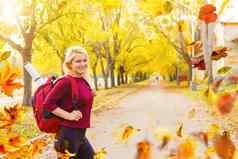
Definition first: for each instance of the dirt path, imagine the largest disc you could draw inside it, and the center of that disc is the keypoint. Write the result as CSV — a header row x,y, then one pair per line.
x,y
147,110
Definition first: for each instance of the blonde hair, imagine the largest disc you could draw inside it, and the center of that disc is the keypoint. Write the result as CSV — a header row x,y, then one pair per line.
x,y
69,56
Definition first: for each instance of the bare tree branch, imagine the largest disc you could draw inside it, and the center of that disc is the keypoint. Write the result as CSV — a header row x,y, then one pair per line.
x,y
13,44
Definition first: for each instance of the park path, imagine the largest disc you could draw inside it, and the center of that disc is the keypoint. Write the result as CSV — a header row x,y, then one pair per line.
x,y
147,110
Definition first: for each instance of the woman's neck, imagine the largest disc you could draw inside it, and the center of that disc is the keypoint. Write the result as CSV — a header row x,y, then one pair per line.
x,y
76,74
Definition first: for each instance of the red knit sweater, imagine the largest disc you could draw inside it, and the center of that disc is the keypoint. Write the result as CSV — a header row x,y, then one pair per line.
x,y
61,96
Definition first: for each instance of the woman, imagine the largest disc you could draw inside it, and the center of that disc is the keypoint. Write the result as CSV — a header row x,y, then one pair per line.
x,y
74,123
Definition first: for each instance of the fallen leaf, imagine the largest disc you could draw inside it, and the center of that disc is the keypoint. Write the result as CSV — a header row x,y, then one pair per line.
x,y
224,146
4,55
186,150
2,148
128,132
143,150
202,136
100,154
179,131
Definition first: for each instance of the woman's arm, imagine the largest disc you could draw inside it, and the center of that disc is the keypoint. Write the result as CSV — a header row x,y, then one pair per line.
x,y
61,89
74,115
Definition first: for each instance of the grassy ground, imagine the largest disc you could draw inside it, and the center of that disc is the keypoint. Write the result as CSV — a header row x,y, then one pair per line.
x,y
27,127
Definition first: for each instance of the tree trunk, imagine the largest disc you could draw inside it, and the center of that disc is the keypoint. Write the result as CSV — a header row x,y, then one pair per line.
x,y
95,79
177,76
118,78
27,81
112,75
126,80
190,73
105,82
207,49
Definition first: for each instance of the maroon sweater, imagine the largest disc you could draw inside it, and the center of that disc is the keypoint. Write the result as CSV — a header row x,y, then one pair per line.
x,y
61,96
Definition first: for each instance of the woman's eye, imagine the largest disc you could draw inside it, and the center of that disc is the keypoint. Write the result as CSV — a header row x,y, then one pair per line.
x,y
85,60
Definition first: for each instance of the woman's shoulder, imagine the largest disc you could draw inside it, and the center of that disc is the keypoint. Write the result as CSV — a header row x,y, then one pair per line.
x,y
63,80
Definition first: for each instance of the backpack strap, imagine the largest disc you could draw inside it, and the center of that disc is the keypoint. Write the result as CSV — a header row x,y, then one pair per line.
x,y
74,92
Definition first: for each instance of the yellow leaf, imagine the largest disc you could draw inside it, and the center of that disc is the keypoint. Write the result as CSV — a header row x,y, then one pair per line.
x,y
179,130
128,132
100,154
4,55
224,70
213,130
182,25
163,136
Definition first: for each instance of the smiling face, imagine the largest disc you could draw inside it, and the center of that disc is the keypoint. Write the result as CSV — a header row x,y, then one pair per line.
x,y
79,63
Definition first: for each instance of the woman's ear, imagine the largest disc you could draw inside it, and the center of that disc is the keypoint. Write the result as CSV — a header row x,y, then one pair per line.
x,y
69,65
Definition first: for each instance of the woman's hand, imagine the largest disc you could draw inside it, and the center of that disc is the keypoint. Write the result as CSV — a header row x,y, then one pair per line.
x,y
74,115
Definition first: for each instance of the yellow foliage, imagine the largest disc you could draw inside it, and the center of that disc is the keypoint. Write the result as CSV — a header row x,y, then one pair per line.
x,y
157,7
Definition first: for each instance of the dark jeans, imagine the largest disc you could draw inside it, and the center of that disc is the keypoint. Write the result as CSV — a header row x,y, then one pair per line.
x,y
75,141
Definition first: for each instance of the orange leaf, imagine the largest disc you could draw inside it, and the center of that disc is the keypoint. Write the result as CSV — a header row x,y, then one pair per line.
x,y
225,103
143,150
7,77
206,9
2,149
185,150
203,136
37,146
15,141
224,147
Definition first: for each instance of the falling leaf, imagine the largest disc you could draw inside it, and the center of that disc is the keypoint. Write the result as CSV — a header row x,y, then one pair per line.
x,y
233,79
2,148
213,130
128,132
100,154
15,141
163,136
165,142
224,70
143,150
7,77
10,115
65,155
209,152
4,55
225,103
186,150
202,136
224,146
179,131
207,13
182,25
210,95
37,146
